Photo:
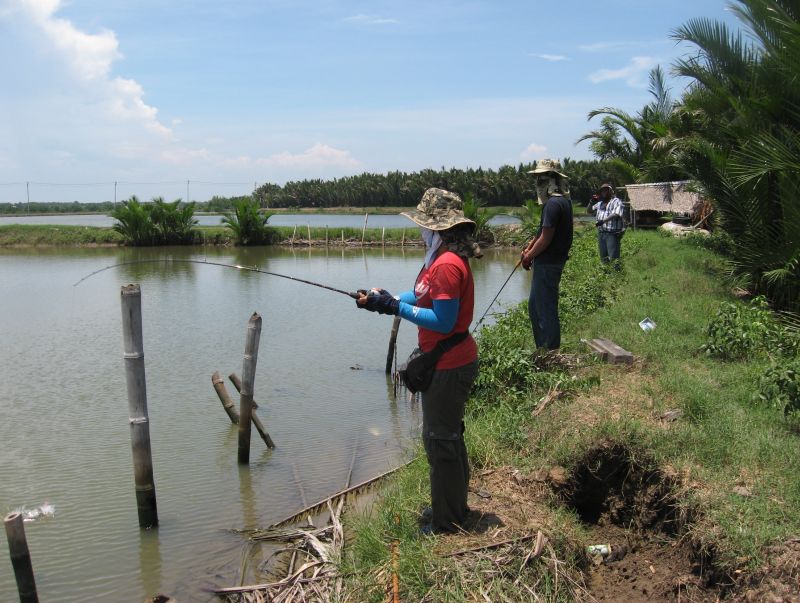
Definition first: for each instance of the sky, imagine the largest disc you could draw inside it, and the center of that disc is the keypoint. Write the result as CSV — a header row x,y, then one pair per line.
x,y
226,95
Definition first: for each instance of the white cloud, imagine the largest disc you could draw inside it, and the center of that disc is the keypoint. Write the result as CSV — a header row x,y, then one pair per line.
x,y
551,57
84,61
533,151
362,19
634,74
318,156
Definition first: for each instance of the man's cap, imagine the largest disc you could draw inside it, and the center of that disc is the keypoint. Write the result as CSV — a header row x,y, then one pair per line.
x,y
607,185
544,166
438,210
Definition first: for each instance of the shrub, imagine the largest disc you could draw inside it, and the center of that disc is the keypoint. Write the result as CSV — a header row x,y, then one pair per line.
x,y
134,223
171,223
247,223
779,387
742,330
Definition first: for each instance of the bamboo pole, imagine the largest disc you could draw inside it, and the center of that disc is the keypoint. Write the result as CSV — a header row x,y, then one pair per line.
x,y
342,237
248,381
364,228
222,394
20,558
131,296
256,421
403,240
294,233
383,237
326,235
308,226
392,344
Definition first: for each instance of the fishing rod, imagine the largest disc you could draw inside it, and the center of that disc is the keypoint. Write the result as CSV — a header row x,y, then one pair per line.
x,y
354,295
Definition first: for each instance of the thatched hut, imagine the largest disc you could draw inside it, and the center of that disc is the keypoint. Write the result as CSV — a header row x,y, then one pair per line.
x,y
662,197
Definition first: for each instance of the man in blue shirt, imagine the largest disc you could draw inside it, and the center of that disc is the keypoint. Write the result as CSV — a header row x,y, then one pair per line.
x,y
610,225
548,252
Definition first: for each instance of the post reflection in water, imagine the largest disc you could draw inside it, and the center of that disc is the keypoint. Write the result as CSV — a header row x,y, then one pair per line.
x,y
252,554
150,562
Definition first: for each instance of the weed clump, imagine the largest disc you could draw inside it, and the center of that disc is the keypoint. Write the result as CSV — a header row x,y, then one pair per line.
x,y
779,387
740,331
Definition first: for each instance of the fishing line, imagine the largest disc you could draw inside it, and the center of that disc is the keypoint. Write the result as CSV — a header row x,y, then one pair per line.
x,y
354,295
508,278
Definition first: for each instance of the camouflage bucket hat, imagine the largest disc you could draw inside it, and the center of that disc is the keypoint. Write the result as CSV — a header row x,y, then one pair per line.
x,y
548,165
438,210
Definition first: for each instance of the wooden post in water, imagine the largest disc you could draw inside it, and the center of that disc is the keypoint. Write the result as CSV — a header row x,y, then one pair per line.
x,y
326,235
364,228
256,421
222,393
383,237
308,226
20,558
137,406
343,238
392,342
294,233
403,240
248,381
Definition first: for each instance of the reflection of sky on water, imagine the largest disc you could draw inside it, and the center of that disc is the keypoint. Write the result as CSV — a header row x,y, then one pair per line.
x,y
62,358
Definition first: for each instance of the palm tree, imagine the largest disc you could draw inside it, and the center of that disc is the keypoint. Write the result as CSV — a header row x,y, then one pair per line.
x,y
248,224
133,222
738,135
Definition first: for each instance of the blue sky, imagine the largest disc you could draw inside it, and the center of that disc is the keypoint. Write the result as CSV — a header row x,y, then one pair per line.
x,y
229,94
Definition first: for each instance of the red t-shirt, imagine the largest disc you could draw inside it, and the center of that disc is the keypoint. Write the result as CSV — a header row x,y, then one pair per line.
x,y
449,277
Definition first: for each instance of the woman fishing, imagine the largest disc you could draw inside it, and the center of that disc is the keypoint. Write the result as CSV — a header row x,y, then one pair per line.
x,y
441,305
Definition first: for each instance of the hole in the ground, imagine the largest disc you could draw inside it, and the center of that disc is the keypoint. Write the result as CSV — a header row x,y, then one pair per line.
x,y
623,488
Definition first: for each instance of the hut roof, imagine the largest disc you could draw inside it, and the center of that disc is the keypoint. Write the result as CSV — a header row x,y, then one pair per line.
x,y
663,196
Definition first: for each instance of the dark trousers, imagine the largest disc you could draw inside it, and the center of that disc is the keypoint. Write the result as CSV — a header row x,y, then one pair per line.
x,y
543,305
609,244
443,437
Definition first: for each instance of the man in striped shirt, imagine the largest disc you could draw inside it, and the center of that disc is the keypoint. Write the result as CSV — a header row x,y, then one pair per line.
x,y
610,225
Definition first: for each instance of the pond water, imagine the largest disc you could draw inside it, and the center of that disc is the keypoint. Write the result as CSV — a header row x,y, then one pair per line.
x,y
320,386
321,220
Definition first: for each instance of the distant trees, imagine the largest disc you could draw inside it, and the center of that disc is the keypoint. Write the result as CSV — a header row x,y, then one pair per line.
x,y
507,185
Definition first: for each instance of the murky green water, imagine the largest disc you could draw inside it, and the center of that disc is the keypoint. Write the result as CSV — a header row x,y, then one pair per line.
x,y
65,438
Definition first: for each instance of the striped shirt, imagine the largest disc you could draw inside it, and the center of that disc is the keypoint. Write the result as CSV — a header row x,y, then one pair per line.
x,y
612,210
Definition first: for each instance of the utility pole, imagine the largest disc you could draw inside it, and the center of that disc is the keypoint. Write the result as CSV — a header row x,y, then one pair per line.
x,y
28,193
115,194
187,191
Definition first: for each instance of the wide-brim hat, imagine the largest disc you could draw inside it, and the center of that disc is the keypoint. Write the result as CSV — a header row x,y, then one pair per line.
x,y
543,166
438,210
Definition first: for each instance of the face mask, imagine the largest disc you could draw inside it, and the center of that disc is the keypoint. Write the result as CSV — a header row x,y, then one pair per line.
x,y
432,243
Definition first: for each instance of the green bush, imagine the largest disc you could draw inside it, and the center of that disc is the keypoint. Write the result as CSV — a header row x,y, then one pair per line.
x,y
155,223
247,223
134,223
779,387
743,330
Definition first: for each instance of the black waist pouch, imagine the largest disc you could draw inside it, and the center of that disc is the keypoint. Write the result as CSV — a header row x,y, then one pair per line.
x,y
417,372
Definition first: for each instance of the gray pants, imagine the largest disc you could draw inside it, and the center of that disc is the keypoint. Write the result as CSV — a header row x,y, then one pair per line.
x,y
443,437
609,244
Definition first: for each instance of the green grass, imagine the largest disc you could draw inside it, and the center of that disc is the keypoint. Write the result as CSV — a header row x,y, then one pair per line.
x,y
44,235
723,440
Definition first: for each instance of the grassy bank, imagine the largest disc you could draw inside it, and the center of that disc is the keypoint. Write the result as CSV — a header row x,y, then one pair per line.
x,y
717,481
16,235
